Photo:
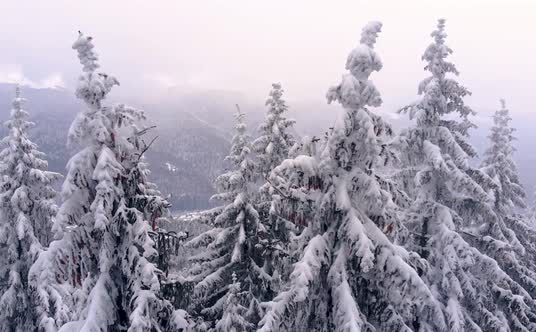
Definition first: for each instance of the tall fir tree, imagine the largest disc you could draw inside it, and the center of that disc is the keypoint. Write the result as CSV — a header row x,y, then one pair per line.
x,y
231,246
26,213
103,253
233,314
275,139
500,166
451,220
272,147
508,199
351,276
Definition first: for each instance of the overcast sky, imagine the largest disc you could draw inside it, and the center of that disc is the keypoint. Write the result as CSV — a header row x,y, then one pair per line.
x,y
244,45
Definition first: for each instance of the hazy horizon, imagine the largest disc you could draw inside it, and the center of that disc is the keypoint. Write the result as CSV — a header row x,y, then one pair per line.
x,y
154,178
244,46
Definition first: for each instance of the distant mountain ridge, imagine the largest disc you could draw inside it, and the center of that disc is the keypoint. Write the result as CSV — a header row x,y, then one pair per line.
x,y
194,146
194,129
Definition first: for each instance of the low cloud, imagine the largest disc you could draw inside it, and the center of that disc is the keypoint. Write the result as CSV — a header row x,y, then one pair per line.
x,y
161,80
15,75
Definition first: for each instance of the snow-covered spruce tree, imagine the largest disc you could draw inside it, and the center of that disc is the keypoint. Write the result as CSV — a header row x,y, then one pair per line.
x,y
352,276
103,252
272,147
233,314
26,213
509,196
499,165
275,138
230,247
452,222
291,214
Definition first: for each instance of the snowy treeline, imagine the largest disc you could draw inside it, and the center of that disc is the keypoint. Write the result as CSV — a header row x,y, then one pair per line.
x,y
359,229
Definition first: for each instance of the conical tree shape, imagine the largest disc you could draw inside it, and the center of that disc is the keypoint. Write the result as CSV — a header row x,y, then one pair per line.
x,y
499,165
233,315
26,212
351,275
272,147
451,221
231,245
275,140
103,252
518,256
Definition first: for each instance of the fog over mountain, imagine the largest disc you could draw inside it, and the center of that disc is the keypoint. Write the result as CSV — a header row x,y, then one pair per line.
x,y
269,166
189,74
194,128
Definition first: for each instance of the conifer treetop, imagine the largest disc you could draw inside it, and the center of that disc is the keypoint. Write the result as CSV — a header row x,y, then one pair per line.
x,y
370,32
92,87
103,252
351,223
275,140
355,90
26,214
498,163
437,52
467,248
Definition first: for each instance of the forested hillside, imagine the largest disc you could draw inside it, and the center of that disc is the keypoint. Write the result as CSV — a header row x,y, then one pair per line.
x,y
207,211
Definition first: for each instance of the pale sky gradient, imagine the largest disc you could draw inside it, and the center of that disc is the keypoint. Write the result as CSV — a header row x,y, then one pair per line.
x,y
244,45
